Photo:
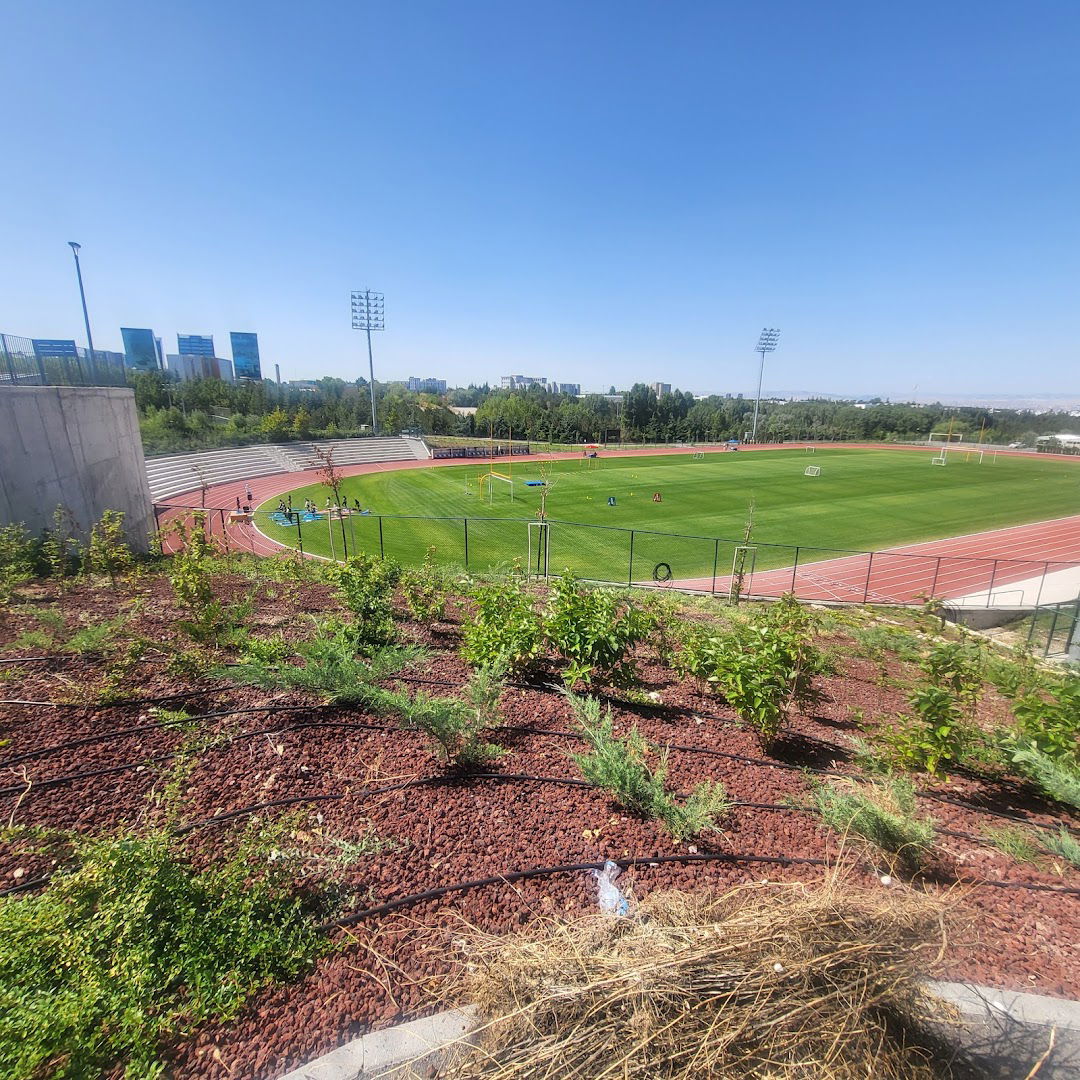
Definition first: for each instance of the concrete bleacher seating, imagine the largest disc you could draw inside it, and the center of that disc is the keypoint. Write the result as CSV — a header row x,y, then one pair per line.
x,y
178,473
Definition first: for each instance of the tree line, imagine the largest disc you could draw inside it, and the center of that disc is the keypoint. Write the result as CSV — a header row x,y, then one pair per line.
x,y
204,413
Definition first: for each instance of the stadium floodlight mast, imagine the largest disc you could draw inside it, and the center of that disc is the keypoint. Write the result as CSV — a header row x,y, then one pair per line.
x,y
368,314
766,343
82,295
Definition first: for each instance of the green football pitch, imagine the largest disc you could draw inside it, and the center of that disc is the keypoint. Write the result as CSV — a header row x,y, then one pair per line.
x,y
863,500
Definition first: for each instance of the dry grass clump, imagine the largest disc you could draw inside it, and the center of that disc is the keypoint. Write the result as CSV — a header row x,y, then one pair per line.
x,y
777,981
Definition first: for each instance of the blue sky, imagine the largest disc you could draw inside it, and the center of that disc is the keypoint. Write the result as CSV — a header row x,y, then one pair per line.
x,y
598,192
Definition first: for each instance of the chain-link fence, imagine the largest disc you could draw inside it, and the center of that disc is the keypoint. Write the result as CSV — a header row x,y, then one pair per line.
x,y
720,566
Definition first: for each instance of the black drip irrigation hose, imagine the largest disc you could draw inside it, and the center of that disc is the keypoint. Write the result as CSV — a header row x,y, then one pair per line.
x,y
122,703
547,871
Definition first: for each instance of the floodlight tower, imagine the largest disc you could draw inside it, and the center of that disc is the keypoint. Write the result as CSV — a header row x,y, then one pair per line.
x,y
766,343
368,314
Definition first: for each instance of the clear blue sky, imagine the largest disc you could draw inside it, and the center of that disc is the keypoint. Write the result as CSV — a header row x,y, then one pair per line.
x,y
594,191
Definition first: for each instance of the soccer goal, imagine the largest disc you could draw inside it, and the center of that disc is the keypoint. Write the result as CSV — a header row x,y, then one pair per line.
x,y
810,449
699,455
977,454
939,460
492,479
812,470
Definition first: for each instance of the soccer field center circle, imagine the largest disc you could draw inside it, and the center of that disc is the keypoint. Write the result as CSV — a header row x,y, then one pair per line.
x,y
889,501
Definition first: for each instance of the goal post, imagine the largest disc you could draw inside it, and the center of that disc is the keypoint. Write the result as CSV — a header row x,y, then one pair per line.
x,y
812,470
490,479
939,460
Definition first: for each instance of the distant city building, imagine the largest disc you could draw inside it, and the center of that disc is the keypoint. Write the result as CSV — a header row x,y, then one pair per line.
x,y
225,369
186,366
245,354
661,388
572,388
426,386
522,382
195,344
140,349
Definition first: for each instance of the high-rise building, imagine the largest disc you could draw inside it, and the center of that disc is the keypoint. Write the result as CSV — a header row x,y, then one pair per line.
x,y
572,388
195,344
245,354
426,386
188,366
140,348
661,388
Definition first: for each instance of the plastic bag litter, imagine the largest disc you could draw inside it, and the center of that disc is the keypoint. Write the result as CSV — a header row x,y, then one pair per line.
x,y
612,901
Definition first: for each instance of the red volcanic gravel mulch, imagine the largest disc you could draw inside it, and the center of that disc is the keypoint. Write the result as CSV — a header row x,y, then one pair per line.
x,y
460,828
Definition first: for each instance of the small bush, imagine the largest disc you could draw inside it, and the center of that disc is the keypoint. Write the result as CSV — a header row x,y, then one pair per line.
x,y
955,667
457,726
505,633
621,768
424,590
1056,778
61,552
18,559
1050,724
367,585
135,947
1015,675
762,667
883,814
594,630
108,551
936,737
1063,844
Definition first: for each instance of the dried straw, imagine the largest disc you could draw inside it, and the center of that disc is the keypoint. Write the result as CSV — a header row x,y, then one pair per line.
x,y
768,980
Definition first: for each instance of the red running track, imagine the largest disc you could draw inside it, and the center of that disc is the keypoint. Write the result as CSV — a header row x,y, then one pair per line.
x,y
950,568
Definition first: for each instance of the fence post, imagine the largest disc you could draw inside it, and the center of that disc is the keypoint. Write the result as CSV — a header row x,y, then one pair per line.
x,y
7,357
715,560
224,532
1042,582
630,568
465,522
344,544
937,570
990,590
382,548
299,533
794,569
869,569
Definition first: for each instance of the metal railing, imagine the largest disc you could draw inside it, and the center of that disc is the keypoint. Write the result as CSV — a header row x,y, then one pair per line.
x,y
1055,630
641,557
22,365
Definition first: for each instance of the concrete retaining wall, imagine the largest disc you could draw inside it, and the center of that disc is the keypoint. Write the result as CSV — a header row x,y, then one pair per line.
x,y
74,446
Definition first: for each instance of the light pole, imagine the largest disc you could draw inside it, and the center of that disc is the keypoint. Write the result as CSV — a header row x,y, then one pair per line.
x,y
86,317
766,343
367,314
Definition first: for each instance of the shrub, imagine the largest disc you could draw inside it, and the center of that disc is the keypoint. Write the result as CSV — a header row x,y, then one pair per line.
x,y
936,737
18,559
108,551
1064,844
594,630
367,585
456,726
621,768
505,634
1014,676
133,947
1050,724
61,552
762,667
424,590
882,813
955,667
1056,778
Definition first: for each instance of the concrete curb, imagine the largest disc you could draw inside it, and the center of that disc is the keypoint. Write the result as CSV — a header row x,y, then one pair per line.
x,y
1003,1032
